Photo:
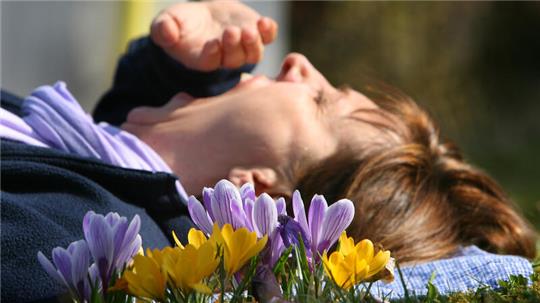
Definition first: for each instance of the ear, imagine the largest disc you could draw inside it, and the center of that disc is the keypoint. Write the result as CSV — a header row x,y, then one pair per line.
x,y
153,115
264,179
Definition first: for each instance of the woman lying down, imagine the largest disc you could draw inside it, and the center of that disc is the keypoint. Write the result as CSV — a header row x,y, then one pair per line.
x,y
179,107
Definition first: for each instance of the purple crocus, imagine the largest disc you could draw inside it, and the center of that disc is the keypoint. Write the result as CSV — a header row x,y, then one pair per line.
x,y
324,224
241,208
71,268
112,241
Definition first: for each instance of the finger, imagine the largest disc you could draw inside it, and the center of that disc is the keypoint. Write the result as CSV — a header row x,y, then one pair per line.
x,y
233,52
210,58
165,29
267,29
252,44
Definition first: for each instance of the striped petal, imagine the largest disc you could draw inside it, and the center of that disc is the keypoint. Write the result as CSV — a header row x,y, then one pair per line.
x,y
62,260
207,200
99,237
264,215
317,209
247,191
119,233
49,268
199,215
80,262
281,206
132,231
336,219
113,218
300,213
226,199
248,210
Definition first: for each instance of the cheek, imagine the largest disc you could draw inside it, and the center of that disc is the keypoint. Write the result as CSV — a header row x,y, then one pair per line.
x,y
259,131
281,123
312,137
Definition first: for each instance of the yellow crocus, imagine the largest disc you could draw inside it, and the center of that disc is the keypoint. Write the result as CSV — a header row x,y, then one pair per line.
x,y
145,278
238,246
189,265
195,238
354,263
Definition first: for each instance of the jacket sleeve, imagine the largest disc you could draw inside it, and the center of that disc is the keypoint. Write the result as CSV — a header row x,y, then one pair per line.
x,y
147,76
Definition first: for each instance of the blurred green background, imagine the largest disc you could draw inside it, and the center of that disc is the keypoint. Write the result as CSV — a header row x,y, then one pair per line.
x,y
474,65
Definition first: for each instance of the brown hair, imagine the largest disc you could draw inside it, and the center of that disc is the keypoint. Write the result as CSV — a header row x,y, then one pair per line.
x,y
415,194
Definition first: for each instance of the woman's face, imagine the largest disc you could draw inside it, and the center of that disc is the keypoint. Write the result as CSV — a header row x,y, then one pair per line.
x,y
261,122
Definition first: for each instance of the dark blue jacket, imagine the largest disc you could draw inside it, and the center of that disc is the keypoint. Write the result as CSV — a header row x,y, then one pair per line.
x,y
45,193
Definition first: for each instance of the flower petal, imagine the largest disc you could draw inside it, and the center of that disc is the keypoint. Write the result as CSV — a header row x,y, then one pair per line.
x,y
94,275
132,231
49,268
300,213
248,210
264,215
226,198
99,238
378,262
119,233
196,237
317,209
247,191
207,200
199,215
281,206
276,247
135,248
62,260
112,219
86,220
80,261
238,214
127,253
336,219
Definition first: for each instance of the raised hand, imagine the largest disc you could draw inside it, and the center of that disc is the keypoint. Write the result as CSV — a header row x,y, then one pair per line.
x,y
208,35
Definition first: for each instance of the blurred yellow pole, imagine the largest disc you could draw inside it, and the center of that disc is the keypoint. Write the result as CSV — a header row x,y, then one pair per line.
x,y
136,18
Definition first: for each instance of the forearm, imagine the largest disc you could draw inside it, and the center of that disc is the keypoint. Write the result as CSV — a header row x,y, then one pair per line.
x,y
147,76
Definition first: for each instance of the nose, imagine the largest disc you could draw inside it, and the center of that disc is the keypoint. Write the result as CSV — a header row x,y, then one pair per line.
x,y
296,68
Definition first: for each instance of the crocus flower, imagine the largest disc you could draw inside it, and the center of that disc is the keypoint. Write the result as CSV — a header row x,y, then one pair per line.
x,y
352,264
70,268
225,204
187,267
112,241
238,246
145,279
324,224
